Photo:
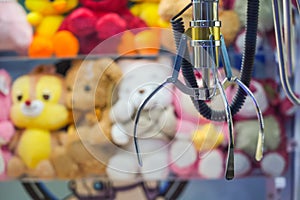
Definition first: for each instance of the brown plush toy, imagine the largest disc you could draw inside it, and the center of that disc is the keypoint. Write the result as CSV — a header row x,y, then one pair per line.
x,y
229,19
87,148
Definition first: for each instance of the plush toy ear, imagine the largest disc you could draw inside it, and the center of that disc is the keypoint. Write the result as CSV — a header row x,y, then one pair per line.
x,y
44,69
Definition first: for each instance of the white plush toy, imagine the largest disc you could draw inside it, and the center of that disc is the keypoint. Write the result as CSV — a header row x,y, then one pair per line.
x,y
156,126
16,32
265,23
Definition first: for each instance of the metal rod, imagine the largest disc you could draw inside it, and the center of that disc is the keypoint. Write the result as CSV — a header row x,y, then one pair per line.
x,y
229,173
285,63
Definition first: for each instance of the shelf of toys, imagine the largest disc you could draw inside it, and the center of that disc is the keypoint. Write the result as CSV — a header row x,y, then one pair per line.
x,y
75,73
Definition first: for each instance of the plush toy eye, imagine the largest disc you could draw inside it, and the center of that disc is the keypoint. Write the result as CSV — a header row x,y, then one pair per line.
x,y
87,88
46,96
69,89
19,97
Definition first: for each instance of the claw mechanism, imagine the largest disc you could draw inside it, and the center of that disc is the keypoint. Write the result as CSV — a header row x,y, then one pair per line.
x,y
199,49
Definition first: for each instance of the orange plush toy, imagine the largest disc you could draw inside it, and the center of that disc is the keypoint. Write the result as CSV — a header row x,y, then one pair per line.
x,y
46,17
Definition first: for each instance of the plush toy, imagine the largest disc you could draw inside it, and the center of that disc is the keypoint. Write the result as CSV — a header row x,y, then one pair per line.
x,y
46,17
39,110
197,150
16,32
96,21
146,42
147,10
156,124
246,127
229,19
265,23
6,127
87,147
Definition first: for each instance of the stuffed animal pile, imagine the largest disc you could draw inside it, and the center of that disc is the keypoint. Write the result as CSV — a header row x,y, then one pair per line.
x,y
46,17
82,125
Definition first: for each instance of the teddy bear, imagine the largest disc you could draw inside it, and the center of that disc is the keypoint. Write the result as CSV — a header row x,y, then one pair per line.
x,y
6,127
39,112
156,126
16,33
86,148
198,147
246,128
95,21
46,17
229,19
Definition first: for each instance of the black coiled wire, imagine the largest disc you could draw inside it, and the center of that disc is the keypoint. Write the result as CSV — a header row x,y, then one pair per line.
x,y
246,69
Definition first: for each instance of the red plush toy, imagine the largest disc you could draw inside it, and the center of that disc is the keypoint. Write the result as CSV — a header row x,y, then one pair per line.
x,y
96,21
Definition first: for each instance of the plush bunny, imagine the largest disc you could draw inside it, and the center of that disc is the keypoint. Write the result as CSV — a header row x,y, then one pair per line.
x,y
156,125
39,111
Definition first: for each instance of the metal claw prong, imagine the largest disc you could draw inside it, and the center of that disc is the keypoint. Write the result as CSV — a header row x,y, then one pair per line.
x,y
229,173
260,140
137,117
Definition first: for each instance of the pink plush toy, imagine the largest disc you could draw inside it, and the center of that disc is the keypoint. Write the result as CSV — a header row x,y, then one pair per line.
x,y
274,162
97,20
16,32
6,126
198,146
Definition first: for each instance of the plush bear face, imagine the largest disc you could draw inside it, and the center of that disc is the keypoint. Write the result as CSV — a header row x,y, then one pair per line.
x,y
38,102
143,78
5,101
104,5
90,83
50,7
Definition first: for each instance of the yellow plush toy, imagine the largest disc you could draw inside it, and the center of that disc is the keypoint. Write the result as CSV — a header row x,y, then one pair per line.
x,y
38,109
147,10
46,16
